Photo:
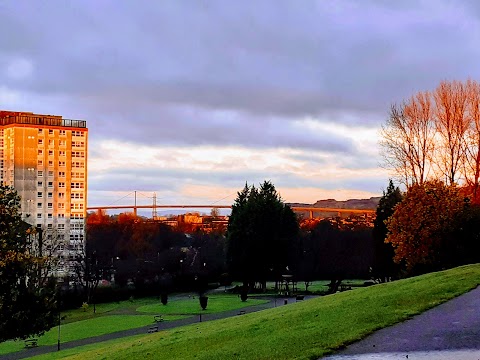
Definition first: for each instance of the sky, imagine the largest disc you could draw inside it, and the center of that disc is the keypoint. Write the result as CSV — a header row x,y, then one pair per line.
x,y
192,99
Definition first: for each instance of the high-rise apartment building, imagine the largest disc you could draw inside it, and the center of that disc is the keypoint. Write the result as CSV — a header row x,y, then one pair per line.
x,y
44,157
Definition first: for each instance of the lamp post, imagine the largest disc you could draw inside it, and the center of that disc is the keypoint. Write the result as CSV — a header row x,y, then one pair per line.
x,y
59,317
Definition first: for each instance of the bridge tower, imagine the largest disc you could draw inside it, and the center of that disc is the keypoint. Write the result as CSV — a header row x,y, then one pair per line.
x,y
154,207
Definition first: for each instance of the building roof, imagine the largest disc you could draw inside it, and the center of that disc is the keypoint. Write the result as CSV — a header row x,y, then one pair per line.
x,y
28,118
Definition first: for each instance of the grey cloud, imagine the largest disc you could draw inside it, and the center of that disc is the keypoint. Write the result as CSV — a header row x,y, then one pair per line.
x,y
151,179
190,126
161,178
272,58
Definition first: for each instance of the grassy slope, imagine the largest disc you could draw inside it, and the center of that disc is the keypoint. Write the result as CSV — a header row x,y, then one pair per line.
x,y
305,330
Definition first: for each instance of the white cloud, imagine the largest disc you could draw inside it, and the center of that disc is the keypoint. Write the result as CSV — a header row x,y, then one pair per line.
x,y
19,69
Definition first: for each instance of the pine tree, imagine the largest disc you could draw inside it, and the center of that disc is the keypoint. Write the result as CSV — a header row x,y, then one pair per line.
x,y
384,266
260,235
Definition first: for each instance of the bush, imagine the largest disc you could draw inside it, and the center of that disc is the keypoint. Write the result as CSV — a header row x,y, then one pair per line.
x,y
203,302
85,307
164,298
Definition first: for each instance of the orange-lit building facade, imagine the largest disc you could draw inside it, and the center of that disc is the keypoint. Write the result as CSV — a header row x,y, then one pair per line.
x,y
44,157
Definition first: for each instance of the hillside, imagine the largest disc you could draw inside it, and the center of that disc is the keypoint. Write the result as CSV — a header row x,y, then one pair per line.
x,y
368,204
304,330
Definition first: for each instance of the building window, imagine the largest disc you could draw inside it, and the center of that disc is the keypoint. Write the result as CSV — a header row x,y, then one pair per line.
x,y
62,133
50,184
77,164
39,173
50,132
39,194
40,131
50,163
61,205
39,216
61,195
61,153
77,175
76,237
50,195
40,152
40,163
50,152
50,173
61,226
49,216
76,206
39,205
50,206
51,142
61,163
40,141
61,216
62,173
62,143
76,226
40,183
61,184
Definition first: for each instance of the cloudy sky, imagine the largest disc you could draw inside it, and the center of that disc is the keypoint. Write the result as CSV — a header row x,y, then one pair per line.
x,y
191,99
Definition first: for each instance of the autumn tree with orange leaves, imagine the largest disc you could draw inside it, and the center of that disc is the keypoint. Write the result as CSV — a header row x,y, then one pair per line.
x,y
419,226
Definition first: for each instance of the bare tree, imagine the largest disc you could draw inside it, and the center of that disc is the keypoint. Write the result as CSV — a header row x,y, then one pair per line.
x,y
215,212
472,149
409,139
436,136
47,244
87,273
452,123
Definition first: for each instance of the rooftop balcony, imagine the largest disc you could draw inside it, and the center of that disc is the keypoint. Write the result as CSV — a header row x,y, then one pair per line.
x,y
10,118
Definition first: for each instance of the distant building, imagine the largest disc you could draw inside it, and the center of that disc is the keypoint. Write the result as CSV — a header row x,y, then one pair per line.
x,y
44,157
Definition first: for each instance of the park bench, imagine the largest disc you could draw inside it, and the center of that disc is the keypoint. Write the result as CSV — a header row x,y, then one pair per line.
x,y
242,312
158,318
153,329
31,343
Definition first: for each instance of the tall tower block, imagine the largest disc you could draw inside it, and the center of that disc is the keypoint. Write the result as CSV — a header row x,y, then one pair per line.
x,y
44,157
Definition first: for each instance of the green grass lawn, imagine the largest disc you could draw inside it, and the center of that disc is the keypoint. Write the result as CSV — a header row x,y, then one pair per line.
x,y
113,308
304,330
216,303
123,315
87,328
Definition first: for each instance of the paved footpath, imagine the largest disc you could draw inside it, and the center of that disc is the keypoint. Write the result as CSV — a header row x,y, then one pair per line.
x,y
448,331
144,330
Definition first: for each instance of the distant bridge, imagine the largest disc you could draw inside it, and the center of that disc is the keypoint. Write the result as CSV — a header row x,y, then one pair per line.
x,y
310,209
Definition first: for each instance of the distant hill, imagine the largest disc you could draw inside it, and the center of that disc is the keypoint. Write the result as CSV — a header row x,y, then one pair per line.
x,y
367,204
